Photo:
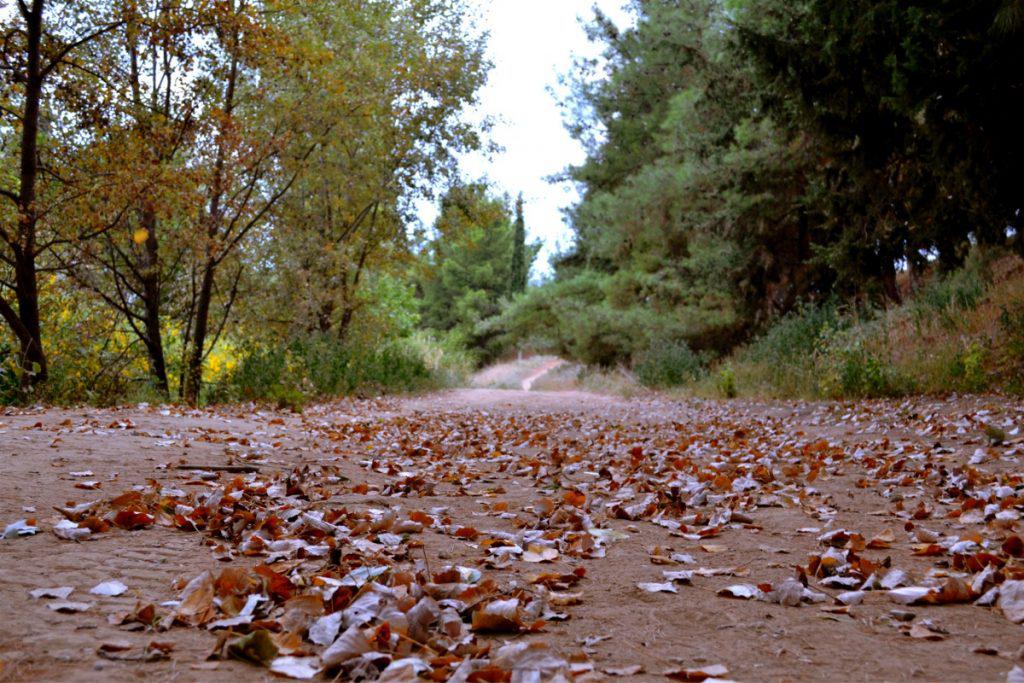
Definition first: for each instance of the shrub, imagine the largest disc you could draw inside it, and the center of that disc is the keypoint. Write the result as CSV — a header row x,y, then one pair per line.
x,y
727,382
668,364
782,360
944,299
853,363
968,368
613,381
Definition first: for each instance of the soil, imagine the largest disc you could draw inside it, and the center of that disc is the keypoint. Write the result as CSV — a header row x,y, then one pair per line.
x,y
755,640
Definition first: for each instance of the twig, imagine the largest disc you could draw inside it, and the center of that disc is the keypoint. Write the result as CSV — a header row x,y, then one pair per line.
x,y
426,561
219,468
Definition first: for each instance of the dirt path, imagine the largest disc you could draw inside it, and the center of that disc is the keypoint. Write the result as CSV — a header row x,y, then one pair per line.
x,y
541,372
603,493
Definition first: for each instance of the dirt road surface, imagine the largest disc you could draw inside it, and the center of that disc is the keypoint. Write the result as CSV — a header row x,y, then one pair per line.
x,y
567,501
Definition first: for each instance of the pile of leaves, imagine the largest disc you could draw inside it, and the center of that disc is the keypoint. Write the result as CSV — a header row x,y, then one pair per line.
x,y
337,590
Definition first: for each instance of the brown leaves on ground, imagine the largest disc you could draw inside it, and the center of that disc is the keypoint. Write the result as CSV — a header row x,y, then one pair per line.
x,y
326,576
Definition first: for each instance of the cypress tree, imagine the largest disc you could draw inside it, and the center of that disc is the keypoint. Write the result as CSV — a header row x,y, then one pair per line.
x,y
520,268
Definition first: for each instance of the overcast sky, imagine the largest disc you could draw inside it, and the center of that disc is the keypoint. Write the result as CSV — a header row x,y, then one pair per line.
x,y
532,42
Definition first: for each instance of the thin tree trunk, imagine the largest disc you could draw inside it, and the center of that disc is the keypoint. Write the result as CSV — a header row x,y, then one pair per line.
x,y
149,260
150,270
33,360
194,365
194,361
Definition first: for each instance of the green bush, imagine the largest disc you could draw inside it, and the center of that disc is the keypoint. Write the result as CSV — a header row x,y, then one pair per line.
x,y
782,360
668,364
606,321
944,299
795,337
850,363
727,382
968,368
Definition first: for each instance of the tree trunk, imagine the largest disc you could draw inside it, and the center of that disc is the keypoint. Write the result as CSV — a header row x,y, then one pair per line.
x,y
889,284
201,317
150,270
33,360
345,322
194,363
325,318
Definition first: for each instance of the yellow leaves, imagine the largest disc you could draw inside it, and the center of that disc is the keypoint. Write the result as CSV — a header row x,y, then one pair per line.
x,y
140,235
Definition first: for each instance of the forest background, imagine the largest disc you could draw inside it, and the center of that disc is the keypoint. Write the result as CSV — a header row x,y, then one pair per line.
x,y
212,201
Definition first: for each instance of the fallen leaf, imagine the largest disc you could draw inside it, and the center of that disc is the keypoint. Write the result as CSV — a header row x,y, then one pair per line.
x,y
109,588
882,540
70,531
68,607
301,668
535,553
324,630
257,648
667,587
499,616
624,670
742,591
698,674
851,597
909,595
115,646
922,632
61,593
1013,545
348,645
19,529
1011,600
680,576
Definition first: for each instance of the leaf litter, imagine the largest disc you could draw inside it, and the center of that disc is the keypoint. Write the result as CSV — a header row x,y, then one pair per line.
x,y
336,581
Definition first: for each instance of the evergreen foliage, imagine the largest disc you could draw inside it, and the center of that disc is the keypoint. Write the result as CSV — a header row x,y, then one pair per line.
x,y
749,157
475,263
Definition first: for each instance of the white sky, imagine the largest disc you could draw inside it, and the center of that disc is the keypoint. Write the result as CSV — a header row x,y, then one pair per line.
x,y
532,42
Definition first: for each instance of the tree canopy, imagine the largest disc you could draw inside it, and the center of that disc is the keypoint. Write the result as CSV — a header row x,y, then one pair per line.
x,y
192,171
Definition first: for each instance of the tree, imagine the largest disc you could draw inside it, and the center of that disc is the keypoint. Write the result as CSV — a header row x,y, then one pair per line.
x,y
135,266
912,107
743,157
408,73
691,196
40,41
468,270
520,270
